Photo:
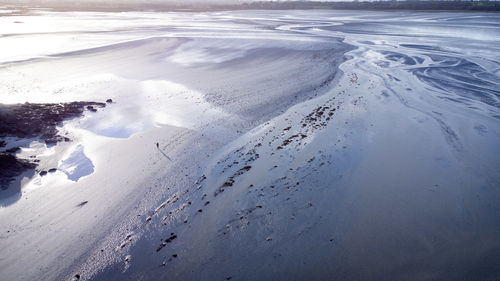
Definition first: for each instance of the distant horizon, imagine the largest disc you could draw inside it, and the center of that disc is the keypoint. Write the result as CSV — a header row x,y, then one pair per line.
x,y
214,5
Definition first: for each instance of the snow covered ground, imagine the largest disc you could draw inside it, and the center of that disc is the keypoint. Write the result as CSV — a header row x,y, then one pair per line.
x,y
292,145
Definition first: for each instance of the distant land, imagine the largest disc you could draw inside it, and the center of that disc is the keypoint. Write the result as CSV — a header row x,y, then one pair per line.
x,y
493,6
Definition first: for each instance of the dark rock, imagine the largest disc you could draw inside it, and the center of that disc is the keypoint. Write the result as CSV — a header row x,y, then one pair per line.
x,y
10,167
13,150
53,170
201,179
246,168
109,100
171,238
83,203
43,173
32,119
161,246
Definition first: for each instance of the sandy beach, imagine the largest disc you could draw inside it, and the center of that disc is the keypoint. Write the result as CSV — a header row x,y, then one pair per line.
x,y
254,145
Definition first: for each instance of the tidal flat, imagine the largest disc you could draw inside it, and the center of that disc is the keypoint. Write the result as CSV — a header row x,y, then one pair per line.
x,y
252,145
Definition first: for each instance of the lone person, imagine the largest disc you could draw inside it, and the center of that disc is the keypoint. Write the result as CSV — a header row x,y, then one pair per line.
x,y
157,145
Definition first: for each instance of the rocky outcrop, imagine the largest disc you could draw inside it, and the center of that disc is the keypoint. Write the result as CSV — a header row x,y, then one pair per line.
x,y
30,120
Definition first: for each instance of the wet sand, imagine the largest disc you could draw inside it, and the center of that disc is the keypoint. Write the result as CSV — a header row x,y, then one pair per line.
x,y
274,145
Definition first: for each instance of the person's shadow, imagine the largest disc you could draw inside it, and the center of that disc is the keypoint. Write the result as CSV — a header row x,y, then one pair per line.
x,y
162,152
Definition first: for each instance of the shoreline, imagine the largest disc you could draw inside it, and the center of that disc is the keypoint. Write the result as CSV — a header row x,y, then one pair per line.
x,y
425,6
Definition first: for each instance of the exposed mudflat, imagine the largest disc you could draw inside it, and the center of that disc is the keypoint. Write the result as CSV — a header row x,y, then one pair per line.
x,y
253,145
